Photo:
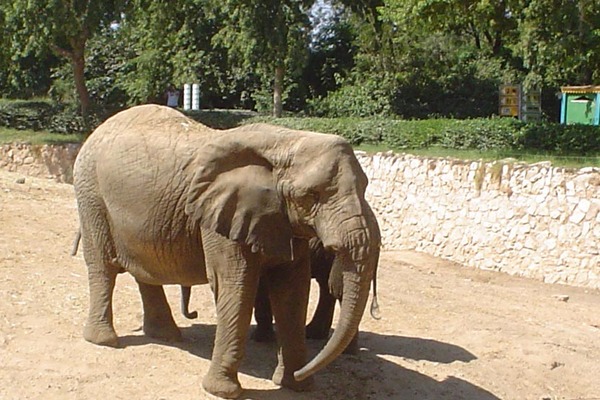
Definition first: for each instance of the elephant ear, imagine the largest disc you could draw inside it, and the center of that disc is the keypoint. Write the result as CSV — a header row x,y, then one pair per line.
x,y
242,204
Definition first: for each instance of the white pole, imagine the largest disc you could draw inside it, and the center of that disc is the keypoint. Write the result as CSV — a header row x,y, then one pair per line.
x,y
186,96
195,96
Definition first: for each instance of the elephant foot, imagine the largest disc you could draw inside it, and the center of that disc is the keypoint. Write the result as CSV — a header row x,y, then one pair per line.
x,y
314,331
280,378
263,334
101,335
167,332
222,386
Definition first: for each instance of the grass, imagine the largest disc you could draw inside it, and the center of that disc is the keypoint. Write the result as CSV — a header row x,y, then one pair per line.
x,y
8,135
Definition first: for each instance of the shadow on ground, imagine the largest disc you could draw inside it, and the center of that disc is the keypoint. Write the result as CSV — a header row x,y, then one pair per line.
x,y
376,374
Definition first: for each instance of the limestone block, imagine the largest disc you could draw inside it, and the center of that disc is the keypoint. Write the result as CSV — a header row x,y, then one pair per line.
x,y
577,216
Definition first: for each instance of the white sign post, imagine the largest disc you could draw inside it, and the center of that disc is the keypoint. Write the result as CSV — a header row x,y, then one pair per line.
x,y
195,96
187,95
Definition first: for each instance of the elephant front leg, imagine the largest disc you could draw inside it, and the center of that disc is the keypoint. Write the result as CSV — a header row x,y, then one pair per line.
x,y
158,320
233,273
289,290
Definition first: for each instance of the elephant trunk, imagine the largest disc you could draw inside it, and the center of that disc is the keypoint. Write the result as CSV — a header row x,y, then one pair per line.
x,y
354,301
186,292
359,253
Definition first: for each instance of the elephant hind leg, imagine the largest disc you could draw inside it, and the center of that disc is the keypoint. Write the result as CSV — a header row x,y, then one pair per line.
x,y
319,326
99,328
158,320
102,275
262,314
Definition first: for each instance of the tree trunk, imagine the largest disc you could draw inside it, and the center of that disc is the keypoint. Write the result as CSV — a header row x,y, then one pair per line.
x,y
78,62
277,91
77,57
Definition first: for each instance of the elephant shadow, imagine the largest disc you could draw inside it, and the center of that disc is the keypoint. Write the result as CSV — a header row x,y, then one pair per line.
x,y
414,348
378,376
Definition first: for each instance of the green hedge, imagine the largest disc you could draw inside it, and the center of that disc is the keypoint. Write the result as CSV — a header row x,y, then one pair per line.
x,y
44,115
23,115
484,134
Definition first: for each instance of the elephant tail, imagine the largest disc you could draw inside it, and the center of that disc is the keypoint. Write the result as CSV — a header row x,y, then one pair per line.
x,y
375,314
76,241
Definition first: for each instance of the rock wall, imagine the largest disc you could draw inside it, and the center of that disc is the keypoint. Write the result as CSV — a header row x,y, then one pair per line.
x,y
50,161
535,220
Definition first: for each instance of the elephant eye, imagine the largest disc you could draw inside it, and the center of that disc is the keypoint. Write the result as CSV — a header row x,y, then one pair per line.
x,y
306,199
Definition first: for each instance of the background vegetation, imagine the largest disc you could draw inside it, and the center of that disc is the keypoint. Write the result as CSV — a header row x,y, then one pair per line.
x,y
366,69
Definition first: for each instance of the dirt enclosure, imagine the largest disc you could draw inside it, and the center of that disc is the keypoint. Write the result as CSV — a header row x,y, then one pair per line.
x,y
447,332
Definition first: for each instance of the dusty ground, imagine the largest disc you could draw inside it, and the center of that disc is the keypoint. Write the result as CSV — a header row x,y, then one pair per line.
x,y
447,332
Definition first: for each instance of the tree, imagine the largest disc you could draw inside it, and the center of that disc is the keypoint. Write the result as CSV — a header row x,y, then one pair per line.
x,y
488,24
63,26
332,50
271,36
560,41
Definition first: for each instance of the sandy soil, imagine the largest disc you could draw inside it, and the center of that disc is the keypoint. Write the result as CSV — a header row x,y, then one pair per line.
x,y
447,332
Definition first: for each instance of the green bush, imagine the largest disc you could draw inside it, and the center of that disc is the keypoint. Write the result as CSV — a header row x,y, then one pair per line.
x,y
364,99
481,134
355,130
558,139
26,115
220,119
48,115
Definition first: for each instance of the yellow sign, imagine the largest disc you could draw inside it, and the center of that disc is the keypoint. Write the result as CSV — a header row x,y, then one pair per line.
x,y
509,100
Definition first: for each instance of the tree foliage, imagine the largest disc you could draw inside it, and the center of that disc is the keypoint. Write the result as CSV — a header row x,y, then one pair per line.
x,y
35,27
560,41
411,58
268,35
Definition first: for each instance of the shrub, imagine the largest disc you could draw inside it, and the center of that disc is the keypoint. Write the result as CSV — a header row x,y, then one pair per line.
x,y
49,116
26,115
220,119
355,130
481,134
364,99
558,139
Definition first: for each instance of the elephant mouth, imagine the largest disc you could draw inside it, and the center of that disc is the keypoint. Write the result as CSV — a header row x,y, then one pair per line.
x,y
355,242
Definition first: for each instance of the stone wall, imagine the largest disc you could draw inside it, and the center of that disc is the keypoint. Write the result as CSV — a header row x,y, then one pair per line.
x,y
49,161
535,220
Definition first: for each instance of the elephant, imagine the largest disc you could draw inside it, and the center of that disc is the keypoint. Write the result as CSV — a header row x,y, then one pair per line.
x,y
171,201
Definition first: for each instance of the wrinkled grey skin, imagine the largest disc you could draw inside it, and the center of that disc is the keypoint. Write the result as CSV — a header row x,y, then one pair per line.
x,y
171,201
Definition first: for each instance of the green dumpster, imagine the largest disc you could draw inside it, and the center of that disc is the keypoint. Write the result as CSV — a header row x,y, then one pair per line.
x,y
580,105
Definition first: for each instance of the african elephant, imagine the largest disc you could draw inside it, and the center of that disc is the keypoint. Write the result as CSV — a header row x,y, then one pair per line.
x,y
172,201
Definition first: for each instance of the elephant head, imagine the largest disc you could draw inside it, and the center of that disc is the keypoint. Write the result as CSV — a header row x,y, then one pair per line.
x,y
317,188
